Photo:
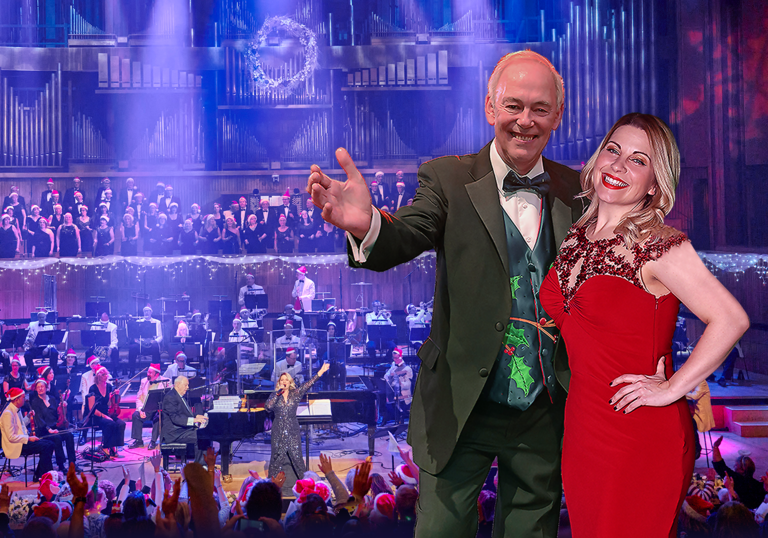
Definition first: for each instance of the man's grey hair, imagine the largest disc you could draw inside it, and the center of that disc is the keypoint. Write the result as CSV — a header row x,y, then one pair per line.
x,y
179,381
527,54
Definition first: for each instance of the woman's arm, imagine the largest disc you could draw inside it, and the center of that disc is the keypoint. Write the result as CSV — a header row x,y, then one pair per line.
x,y
77,234
682,272
111,236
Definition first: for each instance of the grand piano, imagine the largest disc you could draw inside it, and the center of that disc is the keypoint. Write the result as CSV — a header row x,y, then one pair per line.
x,y
346,406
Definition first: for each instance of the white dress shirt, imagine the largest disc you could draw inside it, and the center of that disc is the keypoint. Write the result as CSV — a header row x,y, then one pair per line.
x,y
111,328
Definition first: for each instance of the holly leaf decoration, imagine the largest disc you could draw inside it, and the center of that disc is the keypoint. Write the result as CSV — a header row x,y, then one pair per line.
x,y
515,337
520,373
513,284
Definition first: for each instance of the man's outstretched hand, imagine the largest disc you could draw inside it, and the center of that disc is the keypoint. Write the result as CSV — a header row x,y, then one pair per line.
x,y
345,205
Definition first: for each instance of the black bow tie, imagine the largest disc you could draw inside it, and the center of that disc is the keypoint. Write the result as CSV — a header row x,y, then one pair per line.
x,y
514,183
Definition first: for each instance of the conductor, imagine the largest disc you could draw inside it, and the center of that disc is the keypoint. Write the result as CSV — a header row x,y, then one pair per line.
x,y
180,424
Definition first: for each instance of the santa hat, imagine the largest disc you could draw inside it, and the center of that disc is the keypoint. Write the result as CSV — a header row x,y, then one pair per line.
x,y
219,349
289,322
374,183
16,359
14,393
400,184
54,192
290,350
302,270
323,490
244,309
384,504
287,193
43,371
71,351
696,507
93,358
50,181
179,354
155,367
55,476
246,493
398,351
40,380
49,488
167,187
405,474
302,488
56,512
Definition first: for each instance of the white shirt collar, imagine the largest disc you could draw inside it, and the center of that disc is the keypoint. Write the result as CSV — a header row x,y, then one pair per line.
x,y
500,168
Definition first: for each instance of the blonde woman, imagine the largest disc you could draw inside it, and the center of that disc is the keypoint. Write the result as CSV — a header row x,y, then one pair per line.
x,y
286,436
614,293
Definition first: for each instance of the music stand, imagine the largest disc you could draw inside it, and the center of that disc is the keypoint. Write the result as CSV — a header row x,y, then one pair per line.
x,y
49,338
256,334
418,334
21,337
255,301
95,338
382,333
155,403
9,337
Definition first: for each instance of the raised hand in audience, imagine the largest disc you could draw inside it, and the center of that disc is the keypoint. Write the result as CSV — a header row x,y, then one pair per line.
x,y
237,516
395,479
5,499
279,479
156,460
362,482
325,466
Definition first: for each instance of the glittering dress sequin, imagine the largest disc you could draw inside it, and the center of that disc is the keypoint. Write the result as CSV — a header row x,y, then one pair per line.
x,y
612,326
286,436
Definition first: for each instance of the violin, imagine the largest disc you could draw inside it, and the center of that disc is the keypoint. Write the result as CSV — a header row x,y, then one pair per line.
x,y
114,404
61,421
32,423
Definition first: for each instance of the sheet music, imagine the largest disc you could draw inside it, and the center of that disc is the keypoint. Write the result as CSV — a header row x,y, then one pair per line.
x,y
252,369
316,408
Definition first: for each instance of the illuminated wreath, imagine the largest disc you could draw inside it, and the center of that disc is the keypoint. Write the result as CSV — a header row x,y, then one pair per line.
x,y
306,37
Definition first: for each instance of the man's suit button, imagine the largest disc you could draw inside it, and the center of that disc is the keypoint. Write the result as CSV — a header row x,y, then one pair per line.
x,y
483,372
531,268
499,326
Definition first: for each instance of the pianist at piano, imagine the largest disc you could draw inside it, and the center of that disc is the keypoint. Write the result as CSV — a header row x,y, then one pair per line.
x,y
179,423
286,438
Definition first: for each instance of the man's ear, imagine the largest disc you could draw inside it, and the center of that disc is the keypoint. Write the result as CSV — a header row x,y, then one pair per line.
x,y
490,113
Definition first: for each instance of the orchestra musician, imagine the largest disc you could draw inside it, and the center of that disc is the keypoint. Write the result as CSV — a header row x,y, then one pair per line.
x,y
151,382
416,319
288,339
16,439
69,377
250,288
379,316
146,344
290,364
86,382
14,379
303,290
112,427
238,335
290,314
399,378
110,351
247,322
32,351
179,367
180,424
46,408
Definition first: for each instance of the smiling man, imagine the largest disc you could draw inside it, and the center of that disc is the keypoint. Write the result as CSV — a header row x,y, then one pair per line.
x,y
487,387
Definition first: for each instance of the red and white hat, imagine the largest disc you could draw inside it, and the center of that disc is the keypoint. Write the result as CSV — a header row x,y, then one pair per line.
x,y
302,488
323,490
397,351
71,351
43,371
155,367
289,322
287,193
92,359
40,380
405,474
16,359
302,270
13,393
384,504
290,350
180,354
400,184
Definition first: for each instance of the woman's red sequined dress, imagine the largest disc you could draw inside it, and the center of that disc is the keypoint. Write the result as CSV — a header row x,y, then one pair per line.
x,y
623,474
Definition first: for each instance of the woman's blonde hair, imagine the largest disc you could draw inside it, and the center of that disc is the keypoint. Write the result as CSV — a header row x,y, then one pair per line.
x,y
292,385
646,219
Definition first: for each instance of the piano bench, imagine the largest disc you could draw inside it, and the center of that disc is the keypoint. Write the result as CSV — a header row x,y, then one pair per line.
x,y
182,451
